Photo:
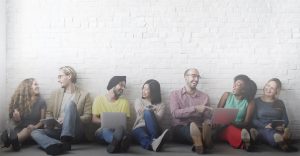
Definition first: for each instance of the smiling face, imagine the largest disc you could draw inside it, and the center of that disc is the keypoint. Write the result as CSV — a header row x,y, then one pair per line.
x,y
192,78
146,91
63,79
35,88
238,87
271,89
119,88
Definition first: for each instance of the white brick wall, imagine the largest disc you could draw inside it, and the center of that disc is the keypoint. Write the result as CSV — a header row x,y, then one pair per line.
x,y
146,39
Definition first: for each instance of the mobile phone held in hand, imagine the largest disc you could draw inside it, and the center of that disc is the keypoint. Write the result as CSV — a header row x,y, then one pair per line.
x,y
276,123
149,107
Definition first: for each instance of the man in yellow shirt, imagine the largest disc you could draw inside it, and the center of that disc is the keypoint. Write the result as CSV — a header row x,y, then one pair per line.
x,y
117,138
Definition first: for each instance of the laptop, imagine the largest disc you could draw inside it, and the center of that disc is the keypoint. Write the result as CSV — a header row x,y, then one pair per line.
x,y
113,120
224,115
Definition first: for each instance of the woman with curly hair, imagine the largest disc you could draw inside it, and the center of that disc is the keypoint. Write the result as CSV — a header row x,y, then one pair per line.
x,y
241,98
26,109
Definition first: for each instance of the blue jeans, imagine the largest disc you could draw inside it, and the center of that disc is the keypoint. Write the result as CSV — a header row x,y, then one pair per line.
x,y
145,135
71,127
267,135
182,134
106,135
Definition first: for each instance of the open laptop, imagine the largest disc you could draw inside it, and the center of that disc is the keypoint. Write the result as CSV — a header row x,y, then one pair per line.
x,y
113,120
224,115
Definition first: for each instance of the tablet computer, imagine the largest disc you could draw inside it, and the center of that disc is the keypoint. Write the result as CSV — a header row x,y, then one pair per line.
x,y
276,123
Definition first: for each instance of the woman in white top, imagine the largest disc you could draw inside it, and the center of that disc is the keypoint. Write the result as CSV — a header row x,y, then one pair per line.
x,y
149,109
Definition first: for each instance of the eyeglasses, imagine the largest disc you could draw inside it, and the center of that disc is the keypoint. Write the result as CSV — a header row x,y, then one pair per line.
x,y
60,76
194,76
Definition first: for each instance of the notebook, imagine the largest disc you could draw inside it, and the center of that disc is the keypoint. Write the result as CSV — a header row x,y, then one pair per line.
x,y
113,120
224,115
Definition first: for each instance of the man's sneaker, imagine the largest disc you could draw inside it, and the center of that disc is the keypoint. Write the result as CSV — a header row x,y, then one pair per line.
x,y
67,146
114,146
206,134
158,142
245,136
197,138
55,149
125,143
5,139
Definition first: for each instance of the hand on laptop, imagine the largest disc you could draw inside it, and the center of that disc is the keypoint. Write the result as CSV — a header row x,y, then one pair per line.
x,y
201,108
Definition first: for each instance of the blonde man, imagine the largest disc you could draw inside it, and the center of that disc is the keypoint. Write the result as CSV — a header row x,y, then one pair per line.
x,y
70,106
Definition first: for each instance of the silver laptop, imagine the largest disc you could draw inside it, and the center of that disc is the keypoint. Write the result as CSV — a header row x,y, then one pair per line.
x,y
224,115
113,120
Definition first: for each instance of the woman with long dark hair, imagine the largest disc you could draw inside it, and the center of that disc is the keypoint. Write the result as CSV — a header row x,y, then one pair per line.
x,y
149,110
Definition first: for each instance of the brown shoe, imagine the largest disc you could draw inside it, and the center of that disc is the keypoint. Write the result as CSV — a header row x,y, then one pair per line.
x,y
197,138
206,134
287,135
199,149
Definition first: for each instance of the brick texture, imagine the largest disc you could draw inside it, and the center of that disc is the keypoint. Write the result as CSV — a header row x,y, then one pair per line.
x,y
146,39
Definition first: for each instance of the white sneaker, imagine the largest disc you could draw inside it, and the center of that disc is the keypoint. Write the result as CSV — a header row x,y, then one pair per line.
x,y
158,142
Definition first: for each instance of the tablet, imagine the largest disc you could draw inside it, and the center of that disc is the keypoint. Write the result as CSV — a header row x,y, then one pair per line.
x,y
276,123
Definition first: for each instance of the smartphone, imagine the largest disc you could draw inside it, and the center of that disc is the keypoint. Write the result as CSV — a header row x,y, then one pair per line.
x,y
149,107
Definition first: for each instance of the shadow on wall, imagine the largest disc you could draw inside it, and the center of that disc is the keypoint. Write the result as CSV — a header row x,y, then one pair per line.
x,y
295,123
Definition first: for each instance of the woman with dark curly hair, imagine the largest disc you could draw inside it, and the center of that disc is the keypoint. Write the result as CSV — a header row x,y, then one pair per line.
x,y
241,98
26,109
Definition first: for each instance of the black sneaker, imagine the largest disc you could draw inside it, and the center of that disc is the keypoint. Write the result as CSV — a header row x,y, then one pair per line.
x,y
66,141
125,143
113,147
55,149
67,146
5,139
14,140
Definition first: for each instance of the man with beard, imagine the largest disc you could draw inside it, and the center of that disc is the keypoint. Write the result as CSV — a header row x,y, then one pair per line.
x,y
71,107
191,111
117,138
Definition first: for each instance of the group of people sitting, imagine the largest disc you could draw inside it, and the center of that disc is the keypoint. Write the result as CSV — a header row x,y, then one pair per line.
x,y
190,109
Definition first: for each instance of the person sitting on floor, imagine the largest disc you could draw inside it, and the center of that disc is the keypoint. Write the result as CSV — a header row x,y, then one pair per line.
x,y
26,109
269,110
149,110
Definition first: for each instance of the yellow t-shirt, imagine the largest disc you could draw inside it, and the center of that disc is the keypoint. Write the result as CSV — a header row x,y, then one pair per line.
x,y
101,104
